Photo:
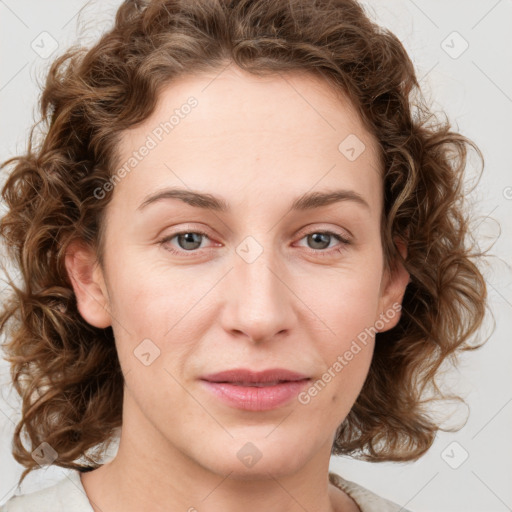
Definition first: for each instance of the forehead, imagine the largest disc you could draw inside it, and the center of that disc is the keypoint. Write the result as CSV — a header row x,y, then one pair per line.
x,y
277,133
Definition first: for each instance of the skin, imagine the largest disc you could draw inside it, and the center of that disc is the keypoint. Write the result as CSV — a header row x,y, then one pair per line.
x,y
259,143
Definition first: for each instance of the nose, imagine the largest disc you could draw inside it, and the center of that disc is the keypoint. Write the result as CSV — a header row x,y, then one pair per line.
x,y
259,304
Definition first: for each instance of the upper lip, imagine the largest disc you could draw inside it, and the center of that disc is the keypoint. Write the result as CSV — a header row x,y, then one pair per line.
x,y
248,376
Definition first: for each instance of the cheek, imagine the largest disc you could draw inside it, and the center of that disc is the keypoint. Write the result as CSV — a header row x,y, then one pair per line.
x,y
148,296
159,316
346,302
347,309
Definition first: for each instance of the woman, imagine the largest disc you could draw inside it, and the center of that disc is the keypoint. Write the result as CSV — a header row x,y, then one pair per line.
x,y
242,245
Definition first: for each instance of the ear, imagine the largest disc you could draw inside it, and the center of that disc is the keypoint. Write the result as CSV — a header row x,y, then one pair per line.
x,y
392,291
88,282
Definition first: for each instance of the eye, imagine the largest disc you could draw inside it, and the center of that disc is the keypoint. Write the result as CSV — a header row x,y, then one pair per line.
x,y
188,241
320,240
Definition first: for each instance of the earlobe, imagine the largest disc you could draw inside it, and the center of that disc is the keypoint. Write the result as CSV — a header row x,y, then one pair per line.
x,y
88,284
393,293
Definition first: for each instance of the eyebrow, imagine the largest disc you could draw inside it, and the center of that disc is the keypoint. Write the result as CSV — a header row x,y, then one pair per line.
x,y
307,201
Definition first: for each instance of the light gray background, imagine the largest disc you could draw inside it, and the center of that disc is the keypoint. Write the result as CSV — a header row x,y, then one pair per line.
x,y
475,89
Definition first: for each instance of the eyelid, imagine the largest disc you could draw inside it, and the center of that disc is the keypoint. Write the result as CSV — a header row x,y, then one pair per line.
x,y
187,228
316,228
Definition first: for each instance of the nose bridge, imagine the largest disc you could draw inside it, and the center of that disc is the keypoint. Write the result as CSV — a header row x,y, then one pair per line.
x,y
259,303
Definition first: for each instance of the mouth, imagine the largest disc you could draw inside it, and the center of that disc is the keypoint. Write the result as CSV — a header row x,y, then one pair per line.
x,y
255,391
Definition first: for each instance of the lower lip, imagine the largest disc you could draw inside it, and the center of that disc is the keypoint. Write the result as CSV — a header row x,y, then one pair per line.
x,y
252,398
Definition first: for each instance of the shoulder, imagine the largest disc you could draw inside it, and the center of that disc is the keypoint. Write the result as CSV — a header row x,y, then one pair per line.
x,y
67,495
367,500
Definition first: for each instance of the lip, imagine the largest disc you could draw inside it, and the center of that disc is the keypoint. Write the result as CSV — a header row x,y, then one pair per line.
x,y
242,375
255,391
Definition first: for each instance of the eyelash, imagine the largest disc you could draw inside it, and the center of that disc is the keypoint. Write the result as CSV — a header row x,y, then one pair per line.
x,y
317,252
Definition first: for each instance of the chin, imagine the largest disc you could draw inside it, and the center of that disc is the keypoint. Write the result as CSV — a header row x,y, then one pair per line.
x,y
257,459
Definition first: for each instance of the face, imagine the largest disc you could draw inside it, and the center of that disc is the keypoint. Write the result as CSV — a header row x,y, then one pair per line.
x,y
253,277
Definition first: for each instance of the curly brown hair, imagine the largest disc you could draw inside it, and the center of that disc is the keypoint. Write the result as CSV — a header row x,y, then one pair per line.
x,y
67,372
